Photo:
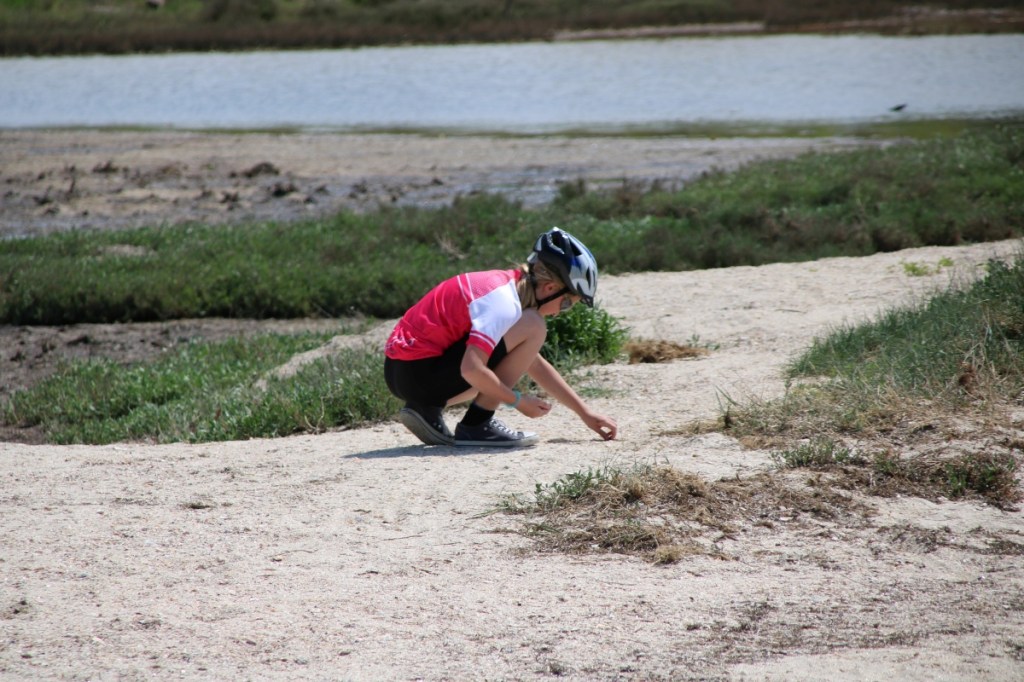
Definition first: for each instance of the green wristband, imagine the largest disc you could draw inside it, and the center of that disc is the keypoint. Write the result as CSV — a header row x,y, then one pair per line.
x,y
515,403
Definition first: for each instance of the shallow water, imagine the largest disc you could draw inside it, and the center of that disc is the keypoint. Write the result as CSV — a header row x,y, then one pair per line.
x,y
530,87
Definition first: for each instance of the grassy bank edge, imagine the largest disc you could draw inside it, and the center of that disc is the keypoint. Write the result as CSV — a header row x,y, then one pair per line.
x,y
942,191
900,126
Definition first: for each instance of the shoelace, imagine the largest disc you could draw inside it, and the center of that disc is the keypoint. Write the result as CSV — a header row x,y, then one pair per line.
x,y
499,425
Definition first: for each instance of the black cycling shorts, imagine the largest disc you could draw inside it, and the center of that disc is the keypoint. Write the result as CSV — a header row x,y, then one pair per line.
x,y
434,381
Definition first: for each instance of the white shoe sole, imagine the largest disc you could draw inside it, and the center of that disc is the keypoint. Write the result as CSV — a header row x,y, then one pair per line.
x,y
528,440
415,422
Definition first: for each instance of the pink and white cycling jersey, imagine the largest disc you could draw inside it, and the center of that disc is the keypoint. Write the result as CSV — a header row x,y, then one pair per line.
x,y
484,305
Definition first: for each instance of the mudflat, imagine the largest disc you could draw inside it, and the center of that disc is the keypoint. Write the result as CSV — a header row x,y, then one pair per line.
x,y
83,179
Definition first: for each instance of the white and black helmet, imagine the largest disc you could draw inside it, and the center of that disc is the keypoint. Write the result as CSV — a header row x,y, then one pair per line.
x,y
568,258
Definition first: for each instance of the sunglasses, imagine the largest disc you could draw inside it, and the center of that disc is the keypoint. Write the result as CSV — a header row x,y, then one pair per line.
x,y
566,304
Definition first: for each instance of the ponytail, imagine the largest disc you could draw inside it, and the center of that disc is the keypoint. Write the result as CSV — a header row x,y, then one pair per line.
x,y
533,275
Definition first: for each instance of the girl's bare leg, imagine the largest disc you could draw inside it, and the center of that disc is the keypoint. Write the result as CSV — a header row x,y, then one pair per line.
x,y
523,342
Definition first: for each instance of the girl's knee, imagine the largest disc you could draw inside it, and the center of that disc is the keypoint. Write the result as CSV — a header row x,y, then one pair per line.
x,y
530,330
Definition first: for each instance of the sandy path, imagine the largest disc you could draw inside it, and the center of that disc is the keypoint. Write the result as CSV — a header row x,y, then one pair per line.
x,y
362,555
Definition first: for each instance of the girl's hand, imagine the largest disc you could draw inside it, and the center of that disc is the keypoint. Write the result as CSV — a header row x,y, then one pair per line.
x,y
532,406
602,425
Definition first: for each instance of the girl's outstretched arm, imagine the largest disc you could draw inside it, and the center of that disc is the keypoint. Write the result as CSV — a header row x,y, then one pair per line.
x,y
548,378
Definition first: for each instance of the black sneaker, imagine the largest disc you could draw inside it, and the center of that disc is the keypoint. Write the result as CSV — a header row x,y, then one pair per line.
x,y
426,423
494,434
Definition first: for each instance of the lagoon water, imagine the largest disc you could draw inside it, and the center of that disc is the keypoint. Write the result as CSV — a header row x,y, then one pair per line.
x,y
529,87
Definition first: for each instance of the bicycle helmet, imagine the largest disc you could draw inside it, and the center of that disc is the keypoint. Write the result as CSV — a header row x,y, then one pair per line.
x,y
566,256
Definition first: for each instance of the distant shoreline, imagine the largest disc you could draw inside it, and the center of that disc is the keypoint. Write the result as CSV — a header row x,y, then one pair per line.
x,y
732,29
912,21
126,31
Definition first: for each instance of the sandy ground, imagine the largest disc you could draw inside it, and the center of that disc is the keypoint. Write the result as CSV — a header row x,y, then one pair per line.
x,y
363,555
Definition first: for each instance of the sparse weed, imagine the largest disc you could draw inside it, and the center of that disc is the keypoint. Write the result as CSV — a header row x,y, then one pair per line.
x,y
817,453
567,489
923,269
917,269
696,342
990,476
886,464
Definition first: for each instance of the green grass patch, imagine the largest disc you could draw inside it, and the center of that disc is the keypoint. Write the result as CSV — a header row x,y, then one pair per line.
x,y
206,392
938,192
960,345
961,350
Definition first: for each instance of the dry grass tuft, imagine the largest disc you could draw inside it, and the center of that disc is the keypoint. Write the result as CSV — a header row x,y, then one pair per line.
x,y
644,350
925,452
664,515
890,447
990,477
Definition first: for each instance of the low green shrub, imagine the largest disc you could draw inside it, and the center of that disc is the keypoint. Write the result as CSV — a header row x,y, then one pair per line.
x,y
584,336
571,487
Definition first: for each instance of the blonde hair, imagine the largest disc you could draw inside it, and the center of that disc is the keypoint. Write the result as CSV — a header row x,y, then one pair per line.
x,y
527,285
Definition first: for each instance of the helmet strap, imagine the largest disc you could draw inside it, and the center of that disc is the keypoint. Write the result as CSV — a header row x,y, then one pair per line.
x,y
548,299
